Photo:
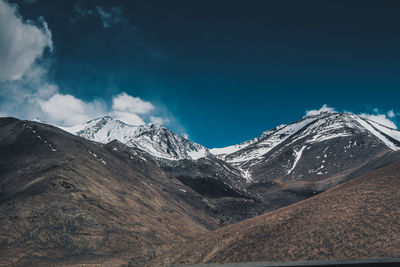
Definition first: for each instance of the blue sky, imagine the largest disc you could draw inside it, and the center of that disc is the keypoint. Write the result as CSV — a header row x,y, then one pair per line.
x,y
220,71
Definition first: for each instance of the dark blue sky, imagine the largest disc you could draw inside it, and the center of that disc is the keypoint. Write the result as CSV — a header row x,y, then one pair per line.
x,y
228,70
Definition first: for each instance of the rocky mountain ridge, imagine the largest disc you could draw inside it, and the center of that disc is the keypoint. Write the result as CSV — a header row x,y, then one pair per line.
x,y
155,139
280,167
160,142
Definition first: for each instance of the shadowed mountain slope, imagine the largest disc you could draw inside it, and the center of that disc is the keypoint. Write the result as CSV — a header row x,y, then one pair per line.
x,y
65,200
358,219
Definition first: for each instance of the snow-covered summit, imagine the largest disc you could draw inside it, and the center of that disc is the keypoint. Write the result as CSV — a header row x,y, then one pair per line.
x,y
313,128
155,139
163,143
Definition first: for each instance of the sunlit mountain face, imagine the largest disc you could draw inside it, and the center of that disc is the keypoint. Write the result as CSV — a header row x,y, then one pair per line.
x,y
158,133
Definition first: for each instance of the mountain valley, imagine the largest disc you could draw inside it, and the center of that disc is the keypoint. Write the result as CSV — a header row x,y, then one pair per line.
x,y
118,194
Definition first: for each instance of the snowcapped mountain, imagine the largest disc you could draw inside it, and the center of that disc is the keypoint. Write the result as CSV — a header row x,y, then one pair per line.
x,y
158,141
296,139
280,167
312,130
292,162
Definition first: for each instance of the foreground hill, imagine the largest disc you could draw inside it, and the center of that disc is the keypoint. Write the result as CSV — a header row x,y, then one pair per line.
x,y
64,200
358,219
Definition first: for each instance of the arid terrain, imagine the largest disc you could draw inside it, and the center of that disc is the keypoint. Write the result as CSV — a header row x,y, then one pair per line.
x,y
355,220
66,200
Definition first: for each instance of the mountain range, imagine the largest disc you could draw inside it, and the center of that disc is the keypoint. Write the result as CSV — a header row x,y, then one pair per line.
x,y
108,192
280,167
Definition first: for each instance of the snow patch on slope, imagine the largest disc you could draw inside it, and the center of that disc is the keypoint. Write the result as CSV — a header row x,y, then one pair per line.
x,y
297,158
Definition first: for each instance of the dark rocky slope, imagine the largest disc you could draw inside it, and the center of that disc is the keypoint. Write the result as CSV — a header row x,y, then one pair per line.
x,y
65,200
221,185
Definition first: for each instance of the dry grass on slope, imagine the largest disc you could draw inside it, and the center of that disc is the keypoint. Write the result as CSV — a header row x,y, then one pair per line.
x,y
358,219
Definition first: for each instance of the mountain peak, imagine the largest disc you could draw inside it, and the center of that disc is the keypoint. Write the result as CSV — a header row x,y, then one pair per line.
x,y
160,142
153,138
312,129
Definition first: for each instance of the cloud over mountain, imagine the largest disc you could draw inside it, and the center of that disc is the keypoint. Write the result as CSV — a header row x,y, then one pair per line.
x,y
27,92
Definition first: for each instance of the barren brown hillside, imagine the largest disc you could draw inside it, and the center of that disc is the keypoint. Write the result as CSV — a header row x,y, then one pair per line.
x,y
66,200
359,219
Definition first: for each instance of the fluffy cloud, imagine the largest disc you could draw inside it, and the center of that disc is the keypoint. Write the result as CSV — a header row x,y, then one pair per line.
x,y
324,108
21,42
69,110
126,103
23,81
129,109
26,92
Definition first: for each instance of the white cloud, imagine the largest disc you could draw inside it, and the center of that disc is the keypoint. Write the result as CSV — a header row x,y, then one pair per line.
x,y
129,109
126,103
391,114
69,110
21,42
27,93
324,108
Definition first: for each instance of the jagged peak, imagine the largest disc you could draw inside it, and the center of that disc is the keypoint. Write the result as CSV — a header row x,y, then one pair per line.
x,y
152,138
